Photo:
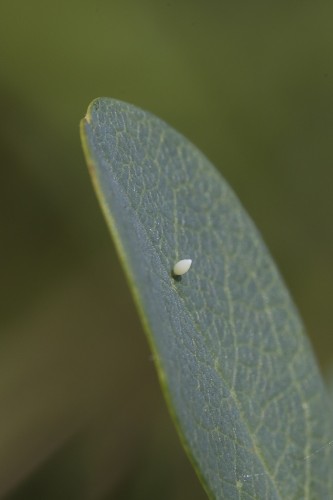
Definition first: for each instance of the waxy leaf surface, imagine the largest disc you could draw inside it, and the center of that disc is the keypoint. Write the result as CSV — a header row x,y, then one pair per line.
x,y
234,363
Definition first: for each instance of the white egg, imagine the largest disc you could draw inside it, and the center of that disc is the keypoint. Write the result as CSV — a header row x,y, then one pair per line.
x,y
182,267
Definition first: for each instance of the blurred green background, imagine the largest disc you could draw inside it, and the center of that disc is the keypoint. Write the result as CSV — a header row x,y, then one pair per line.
x,y
251,83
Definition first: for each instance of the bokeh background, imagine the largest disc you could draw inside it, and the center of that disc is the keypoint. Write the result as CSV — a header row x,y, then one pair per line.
x,y
251,83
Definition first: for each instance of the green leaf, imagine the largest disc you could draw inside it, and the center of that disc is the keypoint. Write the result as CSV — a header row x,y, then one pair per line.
x,y
236,368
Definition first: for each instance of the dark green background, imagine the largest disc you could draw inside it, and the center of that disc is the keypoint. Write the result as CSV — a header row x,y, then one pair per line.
x,y
250,83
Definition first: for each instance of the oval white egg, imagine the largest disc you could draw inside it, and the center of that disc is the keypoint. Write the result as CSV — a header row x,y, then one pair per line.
x,y
182,267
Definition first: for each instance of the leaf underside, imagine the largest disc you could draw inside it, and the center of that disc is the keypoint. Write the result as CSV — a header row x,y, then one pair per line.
x,y
234,363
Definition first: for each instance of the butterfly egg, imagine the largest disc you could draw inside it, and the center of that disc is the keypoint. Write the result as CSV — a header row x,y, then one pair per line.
x,y
182,267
